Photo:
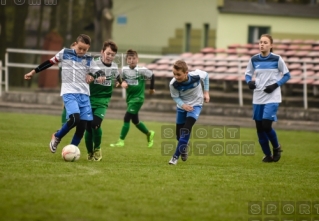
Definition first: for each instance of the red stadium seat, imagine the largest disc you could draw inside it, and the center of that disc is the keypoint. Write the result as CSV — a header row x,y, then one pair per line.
x,y
306,47
294,80
208,50
296,73
221,69
209,69
209,63
294,66
290,53
293,47
208,56
163,61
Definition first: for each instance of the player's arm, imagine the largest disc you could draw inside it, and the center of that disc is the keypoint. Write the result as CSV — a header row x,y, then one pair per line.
x,y
44,65
283,69
152,85
206,88
249,74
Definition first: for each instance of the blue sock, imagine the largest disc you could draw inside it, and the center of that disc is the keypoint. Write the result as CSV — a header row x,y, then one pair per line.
x,y
63,131
76,140
272,136
182,145
264,143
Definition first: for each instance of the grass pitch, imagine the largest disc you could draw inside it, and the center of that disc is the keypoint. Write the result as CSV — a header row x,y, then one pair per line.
x,y
136,182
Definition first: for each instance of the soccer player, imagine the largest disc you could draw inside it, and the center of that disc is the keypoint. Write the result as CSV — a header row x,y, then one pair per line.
x,y
186,90
104,71
134,78
63,115
74,90
267,67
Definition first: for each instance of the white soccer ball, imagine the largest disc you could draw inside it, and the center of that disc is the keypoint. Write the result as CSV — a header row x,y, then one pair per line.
x,y
71,153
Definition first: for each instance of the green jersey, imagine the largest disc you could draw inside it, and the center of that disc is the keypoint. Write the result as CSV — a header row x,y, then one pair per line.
x,y
100,93
135,78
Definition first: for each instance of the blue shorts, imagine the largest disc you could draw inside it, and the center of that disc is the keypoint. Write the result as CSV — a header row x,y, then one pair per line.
x,y
182,114
78,103
265,111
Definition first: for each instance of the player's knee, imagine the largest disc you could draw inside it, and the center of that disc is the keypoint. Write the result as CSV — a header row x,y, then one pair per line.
x,y
135,120
96,123
74,120
127,117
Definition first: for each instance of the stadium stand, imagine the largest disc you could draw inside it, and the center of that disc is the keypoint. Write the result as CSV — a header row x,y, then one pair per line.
x,y
226,66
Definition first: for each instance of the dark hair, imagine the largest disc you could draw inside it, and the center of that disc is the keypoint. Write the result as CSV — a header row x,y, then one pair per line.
x,y
270,38
131,52
180,65
110,44
84,39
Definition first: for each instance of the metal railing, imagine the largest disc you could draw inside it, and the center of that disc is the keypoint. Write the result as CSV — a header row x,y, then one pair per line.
x,y
239,75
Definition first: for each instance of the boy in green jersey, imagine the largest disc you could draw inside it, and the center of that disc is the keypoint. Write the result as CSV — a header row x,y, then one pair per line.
x,y
134,78
104,71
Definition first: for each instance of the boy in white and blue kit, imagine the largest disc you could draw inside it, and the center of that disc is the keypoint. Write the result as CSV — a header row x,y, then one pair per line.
x,y
271,73
186,90
74,90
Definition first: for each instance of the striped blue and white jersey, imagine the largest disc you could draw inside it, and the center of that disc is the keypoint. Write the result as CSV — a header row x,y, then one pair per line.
x,y
267,70
190,92
74,70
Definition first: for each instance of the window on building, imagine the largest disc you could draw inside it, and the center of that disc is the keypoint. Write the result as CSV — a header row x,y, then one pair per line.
x,y
188,28
254,33
206,35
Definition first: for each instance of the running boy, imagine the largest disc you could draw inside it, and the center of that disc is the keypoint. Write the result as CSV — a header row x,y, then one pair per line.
x,y
134,78
267,95
74,90
186,90
104,70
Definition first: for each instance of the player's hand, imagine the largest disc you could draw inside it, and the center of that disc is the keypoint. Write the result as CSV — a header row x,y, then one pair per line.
x,y
152,91
101,79
89,79
117,84
206,96
270,88
251,85
29,75
187,107
124,84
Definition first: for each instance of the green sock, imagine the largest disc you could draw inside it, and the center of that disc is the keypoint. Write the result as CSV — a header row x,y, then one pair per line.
x,y
63,116
97,137
88,141
125,129
142,127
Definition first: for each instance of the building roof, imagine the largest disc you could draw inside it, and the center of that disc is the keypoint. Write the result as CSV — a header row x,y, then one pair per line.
x,y
279,9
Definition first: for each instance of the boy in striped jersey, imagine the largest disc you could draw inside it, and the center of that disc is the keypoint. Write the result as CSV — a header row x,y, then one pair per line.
x,y
268,68
134,78
186,90
104,71
74,90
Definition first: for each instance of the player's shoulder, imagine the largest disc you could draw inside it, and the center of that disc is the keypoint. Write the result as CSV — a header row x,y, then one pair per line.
x,y
172,81
114,65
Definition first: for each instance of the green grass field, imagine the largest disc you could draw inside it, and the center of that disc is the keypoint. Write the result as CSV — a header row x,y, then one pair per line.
x,y
136,182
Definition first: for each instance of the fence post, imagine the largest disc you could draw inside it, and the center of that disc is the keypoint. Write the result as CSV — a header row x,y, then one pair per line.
x,y
0,78
240,85
6,72
305,92
123,89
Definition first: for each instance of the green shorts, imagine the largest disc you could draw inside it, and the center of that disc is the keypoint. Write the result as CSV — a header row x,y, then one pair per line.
x,y
99,112
99,106
134,108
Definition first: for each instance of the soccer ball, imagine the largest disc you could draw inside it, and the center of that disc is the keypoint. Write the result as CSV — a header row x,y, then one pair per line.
x,y
71,153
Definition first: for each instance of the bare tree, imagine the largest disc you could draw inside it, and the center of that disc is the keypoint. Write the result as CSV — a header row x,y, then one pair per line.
x,y
103,22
